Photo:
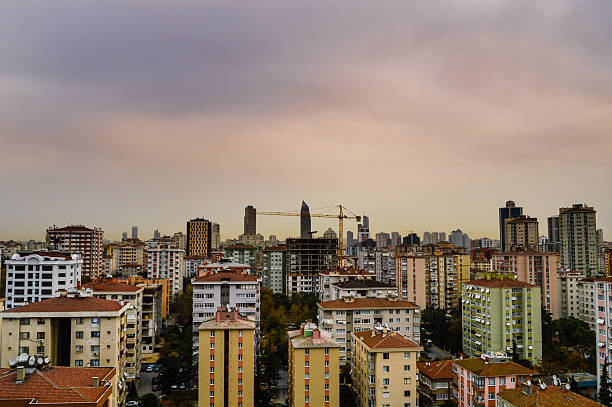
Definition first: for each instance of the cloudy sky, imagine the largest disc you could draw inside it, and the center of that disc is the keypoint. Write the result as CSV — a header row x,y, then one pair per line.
x,y
425,115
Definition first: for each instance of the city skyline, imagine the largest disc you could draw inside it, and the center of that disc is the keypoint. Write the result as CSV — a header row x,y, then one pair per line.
x,y
151,113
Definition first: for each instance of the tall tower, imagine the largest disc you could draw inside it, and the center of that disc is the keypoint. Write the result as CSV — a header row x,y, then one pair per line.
x,y
134,232
305,231
199,237
508,212
363,229
250,223
578,237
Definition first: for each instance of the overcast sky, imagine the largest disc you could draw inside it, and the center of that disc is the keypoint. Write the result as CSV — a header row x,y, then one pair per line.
x,y
425,115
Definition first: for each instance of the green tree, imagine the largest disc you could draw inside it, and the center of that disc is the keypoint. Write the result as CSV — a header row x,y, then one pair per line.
x,y
132,392
604,396
149,400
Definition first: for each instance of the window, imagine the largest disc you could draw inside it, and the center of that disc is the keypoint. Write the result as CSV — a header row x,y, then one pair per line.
x,y
406,368
327,375
24,335
386,382
79,334
212,334
306,351
240,333
406,355
41,321
78,362
212,369
406,393
502,381
80,320
40,335
212,345
94,362
95,334
385,356
307,376
240,345
327,351
306,387
212,382
24,321
491,381
40,350
24,349
385,368
306,364
78,349
212,358
491,396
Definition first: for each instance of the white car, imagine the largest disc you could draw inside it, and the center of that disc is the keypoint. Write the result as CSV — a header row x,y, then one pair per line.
x,y
132,403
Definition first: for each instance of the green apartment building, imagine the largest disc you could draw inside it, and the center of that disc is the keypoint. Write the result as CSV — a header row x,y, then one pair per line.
x,y
243,254
499,314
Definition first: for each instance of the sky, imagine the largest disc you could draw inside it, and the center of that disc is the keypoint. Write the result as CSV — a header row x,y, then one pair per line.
x,y
424,115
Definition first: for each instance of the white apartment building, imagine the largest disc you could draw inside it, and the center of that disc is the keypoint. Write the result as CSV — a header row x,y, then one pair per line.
x,y
109,289
166,261
35,276
335,275
224,289
587,302
342,317
191,264
273,268
385,266
569,300
361,289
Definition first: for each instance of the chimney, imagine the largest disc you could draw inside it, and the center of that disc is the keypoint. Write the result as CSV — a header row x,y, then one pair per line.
x,y
95,382
20,374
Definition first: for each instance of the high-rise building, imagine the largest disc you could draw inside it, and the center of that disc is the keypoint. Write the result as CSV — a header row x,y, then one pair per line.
x,y
243,254
74,329
218,289
273,268
339,317
199,237
502,315
124,236
166,262
314,372
578,237
305,228
305,259
226,360
134,232
128,253
350,242
568,286
522,231
412,239
156,234
330,234
533,267
179,240
383,240
363,229
80,239
553,234
460,239
508,212
427,238
216,236
384,369
396,239
600,295
250,220
35,276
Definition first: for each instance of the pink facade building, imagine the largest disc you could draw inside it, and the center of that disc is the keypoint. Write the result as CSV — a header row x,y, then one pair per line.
x,y
603,331
477,381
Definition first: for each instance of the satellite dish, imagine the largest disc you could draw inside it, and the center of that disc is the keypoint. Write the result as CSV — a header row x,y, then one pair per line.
x,y
12,362
528,382
39,361
567,386
23,357
47,360
32,360
542,386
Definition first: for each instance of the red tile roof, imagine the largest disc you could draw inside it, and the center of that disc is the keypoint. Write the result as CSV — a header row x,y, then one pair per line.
x,y
239,246
390,340
484,369
71,228
437,370
69,304
358,303
552,396
111,286
56,384
226,276
499,282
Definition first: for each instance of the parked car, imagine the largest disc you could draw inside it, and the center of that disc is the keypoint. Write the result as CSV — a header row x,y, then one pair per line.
x,y
182,386
132,403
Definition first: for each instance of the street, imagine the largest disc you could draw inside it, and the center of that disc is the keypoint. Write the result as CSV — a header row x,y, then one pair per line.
x,y
145,383
282,390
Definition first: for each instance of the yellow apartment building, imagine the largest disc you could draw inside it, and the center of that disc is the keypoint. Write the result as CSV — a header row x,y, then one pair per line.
x,y
314,368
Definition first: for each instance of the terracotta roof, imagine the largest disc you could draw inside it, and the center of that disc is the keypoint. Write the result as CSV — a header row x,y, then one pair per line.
x,y
111,286
69,304
391,340
358,303
56,384
299,341
41,253
231,323
239,246
226,276
483,369
552,396
497,282
363,284
344,271
437,370
278,247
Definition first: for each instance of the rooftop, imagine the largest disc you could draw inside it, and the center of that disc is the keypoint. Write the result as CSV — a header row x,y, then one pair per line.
x,y
239,246
69,304
346,271
320,340
56,384
102,286
72,228
367,303
486,369
374,339
42,253
363,284
442,369
499,283
226,276
224,319
552,396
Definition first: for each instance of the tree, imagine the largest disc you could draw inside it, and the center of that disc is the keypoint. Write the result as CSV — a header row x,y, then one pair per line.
x,y
149,400
573,385
132,392
604,396
515,354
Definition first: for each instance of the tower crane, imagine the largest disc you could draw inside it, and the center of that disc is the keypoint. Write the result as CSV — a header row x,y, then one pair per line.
x,y
342,214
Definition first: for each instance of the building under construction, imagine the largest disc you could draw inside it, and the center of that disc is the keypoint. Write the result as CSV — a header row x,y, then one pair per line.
x,y
305,259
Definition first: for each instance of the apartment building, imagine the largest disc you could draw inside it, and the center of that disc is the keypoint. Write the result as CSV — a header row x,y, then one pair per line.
x,y
74,329
533,267
110,289
79,239
362,288
191,265
432,280
216,290
521,231
224,265
384,369
510,211
477,381
502,315
336,275
314,371
529,395
243,254
305,259
129,252
164,290
273,268
35,276
342,317
435,383
166,262
226,360
54,386
578,239
198,241
567,286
